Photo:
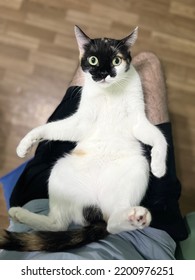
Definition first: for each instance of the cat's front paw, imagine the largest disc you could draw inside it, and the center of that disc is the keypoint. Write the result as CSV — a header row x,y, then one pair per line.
x,y
158,164
18,214
27,142
139,217
24,147
158,170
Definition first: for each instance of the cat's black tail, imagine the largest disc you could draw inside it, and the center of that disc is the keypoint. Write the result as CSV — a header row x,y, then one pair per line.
x,y
52,241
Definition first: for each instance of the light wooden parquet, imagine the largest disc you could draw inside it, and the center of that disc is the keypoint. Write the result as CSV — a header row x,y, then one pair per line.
x,y
38,56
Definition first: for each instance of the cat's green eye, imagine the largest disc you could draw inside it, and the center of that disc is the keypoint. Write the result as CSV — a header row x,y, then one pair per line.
x,y
117,61
93,60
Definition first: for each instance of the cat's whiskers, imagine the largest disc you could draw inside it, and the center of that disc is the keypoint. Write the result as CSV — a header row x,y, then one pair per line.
x,y
121,83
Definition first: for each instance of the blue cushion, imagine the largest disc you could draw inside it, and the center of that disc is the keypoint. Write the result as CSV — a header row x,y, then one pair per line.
x,y
9,180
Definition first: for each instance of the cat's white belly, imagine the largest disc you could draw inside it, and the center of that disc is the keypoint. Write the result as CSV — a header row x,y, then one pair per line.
x,y
89,175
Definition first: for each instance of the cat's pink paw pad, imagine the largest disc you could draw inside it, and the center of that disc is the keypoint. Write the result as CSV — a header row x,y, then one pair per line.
x,y
139,217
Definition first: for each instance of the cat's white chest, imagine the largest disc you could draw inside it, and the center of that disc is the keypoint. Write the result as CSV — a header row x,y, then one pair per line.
x,y
109,134
105,110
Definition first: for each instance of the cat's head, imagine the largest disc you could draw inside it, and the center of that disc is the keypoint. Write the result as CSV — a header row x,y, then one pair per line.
x,y
105,61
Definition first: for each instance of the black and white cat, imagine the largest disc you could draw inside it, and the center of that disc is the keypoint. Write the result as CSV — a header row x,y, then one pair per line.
x,y
101,183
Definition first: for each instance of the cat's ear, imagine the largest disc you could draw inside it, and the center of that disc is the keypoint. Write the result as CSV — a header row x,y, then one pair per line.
x,y
82,38
129,41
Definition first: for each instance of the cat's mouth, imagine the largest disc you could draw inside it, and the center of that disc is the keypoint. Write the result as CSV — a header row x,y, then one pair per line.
x,y
105,81
102,81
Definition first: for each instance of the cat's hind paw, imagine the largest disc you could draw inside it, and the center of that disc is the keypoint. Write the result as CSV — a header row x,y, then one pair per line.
x,y
18,214
139,217
136,217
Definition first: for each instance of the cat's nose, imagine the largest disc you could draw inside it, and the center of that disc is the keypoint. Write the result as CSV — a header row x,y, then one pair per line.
x,y
104,74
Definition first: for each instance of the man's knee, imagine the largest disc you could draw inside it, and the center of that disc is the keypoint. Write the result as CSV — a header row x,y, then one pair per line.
x,y
147,59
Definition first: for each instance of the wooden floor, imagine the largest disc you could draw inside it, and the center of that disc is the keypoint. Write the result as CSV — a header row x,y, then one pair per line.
x,y
38,56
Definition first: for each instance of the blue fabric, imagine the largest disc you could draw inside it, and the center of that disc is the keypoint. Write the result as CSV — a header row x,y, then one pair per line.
x,y
9,180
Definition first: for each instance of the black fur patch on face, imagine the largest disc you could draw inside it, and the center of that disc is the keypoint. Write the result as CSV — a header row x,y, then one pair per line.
x,y
105,50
